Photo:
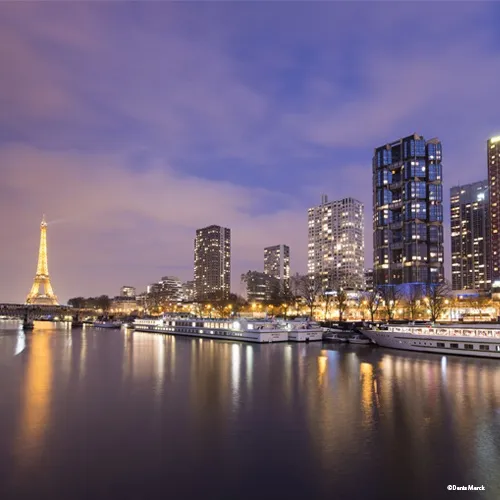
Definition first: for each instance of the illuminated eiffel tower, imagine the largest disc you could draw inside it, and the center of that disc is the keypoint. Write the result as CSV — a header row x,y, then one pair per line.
x,y
42,280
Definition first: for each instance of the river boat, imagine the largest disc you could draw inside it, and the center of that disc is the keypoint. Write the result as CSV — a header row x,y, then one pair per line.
x,y
107,324
242,329
358,339
471,340
302,330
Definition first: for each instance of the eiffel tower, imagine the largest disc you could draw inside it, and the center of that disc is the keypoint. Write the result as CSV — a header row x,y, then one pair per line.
x,y
42,279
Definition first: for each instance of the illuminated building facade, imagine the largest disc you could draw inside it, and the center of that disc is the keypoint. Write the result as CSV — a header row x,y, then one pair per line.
x,y
470,237
277,263
493,147
408,212
212,263
336,242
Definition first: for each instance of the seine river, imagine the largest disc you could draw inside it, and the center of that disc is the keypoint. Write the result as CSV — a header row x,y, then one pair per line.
x,y
108,414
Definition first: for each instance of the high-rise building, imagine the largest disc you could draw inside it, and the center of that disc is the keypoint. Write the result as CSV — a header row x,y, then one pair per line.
x,y
408,212
277,263
336,242
212,263
470,237
127,291
493,146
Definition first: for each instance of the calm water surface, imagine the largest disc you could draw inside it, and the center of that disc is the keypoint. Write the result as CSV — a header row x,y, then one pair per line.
x,y
107,414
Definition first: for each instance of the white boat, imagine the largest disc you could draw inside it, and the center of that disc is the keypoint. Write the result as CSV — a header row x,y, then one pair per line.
x,y
358,339
302,330
226,329
473,340
335,334
107,324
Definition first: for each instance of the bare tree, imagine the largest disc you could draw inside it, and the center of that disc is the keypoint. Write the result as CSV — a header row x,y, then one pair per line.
x,y
390,295
310,287
437,296
372,303
341,301
413,297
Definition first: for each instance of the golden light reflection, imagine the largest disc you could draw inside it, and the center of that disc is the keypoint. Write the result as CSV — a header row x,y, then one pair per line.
x,y
36,399
322,366
366,376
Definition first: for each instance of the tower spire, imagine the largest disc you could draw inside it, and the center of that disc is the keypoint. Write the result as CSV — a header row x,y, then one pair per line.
x,y
42,280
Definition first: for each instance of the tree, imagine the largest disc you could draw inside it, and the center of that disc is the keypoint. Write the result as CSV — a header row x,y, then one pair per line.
x,y
372,300
413,296
437,297
390,295
280,295
237,302
341,301
310,287
103,302
78,302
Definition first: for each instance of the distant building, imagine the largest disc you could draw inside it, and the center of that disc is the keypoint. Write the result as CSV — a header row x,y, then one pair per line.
x,y
188,291
124,305
169,289
212,263
493,147
470,237
127,291
277,263
336,242
141,300
408,212
259,286
369,280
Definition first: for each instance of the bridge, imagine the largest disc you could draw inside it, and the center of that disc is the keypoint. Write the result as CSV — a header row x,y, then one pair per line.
x,y
31,312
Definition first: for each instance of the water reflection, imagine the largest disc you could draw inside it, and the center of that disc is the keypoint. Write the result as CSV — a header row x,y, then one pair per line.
x,y
21,343
36,399
318,414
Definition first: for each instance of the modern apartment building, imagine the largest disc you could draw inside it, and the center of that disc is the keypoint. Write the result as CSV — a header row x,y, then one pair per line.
x,y
212,263
277,263
408,212
127,291
493,147
336,242
470,237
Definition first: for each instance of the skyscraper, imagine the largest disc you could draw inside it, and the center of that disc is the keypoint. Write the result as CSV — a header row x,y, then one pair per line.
x,y
336,242
277,263
408,212
470,237
493,146
212,263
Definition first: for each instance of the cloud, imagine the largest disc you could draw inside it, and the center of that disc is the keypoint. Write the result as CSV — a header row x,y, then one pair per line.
x,y
133,125
125,226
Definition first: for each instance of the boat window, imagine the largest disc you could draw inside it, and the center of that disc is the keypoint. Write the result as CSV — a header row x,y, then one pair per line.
x,y
469,346
440,344
484,347
455,346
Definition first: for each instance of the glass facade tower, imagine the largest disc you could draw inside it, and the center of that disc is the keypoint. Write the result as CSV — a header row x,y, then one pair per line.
x,y
408,212
493,147
470,237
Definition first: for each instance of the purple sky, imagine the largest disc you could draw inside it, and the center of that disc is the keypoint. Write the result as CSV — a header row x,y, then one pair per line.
x,y
132,124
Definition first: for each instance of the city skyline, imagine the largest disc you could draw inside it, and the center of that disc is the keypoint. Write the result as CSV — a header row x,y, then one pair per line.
x,y
239,127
